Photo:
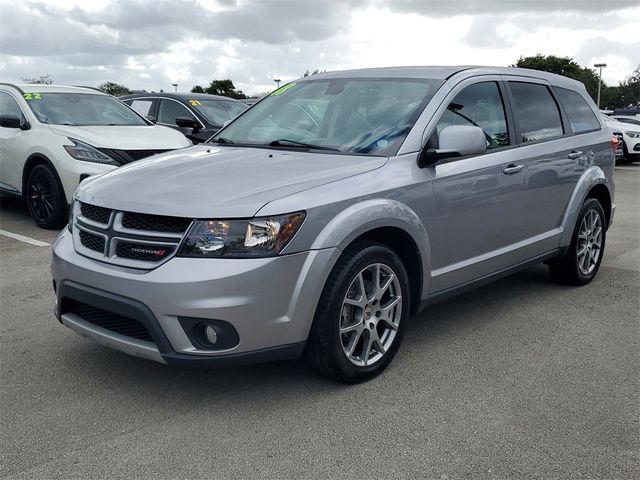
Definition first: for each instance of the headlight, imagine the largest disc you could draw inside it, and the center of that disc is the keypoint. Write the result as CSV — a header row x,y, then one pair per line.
x,y
85,152
258,237
633,134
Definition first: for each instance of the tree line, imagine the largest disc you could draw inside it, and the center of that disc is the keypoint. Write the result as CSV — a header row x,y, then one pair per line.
x,y
626,93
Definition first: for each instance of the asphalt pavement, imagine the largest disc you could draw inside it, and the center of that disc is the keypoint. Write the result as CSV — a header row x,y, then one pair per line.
x,y
522,378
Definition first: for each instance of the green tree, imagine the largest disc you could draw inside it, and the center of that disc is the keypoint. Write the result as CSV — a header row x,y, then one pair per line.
x,y
225,88
314,72
41,80
197,89
114,89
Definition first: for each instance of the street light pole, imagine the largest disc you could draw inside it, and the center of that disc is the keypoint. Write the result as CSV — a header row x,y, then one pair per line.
x,y
175,85
277,80
600,66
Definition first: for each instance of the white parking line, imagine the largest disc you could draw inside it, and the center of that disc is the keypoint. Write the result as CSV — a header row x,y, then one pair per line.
x,y
22,238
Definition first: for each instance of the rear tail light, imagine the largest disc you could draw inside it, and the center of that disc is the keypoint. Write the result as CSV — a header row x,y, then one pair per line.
x,y
614,143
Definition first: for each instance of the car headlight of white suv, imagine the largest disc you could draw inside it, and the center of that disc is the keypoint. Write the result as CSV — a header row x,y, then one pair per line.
x,y
85,152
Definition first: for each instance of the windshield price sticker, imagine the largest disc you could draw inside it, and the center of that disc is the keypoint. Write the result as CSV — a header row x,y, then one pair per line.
x,y
32,96
283,89
195,103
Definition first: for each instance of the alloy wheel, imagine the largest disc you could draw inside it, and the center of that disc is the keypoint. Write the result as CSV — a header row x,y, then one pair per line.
x,y
589,242
41,196
370,314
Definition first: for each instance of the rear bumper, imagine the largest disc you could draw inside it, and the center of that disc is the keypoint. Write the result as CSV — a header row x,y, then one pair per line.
x,y
270,303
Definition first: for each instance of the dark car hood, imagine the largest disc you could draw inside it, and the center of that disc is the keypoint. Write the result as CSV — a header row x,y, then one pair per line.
x,y
208,181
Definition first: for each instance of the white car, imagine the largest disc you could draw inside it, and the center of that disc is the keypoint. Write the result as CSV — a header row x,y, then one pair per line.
x,y
52,137
630,137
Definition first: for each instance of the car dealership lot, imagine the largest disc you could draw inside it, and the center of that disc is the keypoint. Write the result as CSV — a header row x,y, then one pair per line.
x,y
520,378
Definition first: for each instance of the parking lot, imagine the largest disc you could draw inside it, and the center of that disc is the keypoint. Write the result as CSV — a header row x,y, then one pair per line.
x,y
521,378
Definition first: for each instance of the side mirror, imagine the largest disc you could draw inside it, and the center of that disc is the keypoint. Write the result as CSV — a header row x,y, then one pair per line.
x,y
186,122
455,141
151,118
10,121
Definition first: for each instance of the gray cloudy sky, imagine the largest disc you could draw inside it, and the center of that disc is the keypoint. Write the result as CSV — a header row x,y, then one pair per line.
x,y
151,44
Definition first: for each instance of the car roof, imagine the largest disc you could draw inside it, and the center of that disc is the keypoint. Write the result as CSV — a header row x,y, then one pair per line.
x,y
179,96
445,72
38,87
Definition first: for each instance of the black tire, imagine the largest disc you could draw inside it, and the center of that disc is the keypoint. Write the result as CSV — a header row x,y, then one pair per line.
x,y
45,198
566,269
325,344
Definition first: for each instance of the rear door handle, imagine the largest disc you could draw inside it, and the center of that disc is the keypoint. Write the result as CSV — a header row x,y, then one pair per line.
x,y
573,155
511,169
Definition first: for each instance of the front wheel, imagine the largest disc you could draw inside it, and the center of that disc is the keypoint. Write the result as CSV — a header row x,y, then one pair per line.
x,y
45,198
582,261
362,314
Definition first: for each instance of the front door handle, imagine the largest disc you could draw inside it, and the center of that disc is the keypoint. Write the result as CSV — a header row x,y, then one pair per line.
x,y
511,169
573,155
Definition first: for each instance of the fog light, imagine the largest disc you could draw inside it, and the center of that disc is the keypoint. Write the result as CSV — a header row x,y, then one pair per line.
x,y
210,333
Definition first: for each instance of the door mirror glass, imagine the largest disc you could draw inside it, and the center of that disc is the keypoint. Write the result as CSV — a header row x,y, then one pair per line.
x,y
10,121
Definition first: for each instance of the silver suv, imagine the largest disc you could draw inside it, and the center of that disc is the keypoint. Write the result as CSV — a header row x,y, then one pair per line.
x,y
324,216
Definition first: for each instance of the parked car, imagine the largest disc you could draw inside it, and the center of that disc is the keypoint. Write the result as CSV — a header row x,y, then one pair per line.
x,y
197,115
52,137
627,119
630,134
273,240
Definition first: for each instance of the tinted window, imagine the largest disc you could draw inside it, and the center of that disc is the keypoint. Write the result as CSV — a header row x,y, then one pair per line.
x,y
580,115
536,111
631,121
218,111
170,110
9,106
479,105
141,106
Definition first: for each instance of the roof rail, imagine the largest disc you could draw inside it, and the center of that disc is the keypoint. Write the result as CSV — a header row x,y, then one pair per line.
x,y
91,88
12,85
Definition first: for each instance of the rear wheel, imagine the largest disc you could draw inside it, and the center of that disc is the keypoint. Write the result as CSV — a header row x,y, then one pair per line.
x,y
582,261
362,314
45,198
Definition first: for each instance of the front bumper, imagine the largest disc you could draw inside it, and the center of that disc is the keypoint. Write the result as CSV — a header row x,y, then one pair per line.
x,y
270,302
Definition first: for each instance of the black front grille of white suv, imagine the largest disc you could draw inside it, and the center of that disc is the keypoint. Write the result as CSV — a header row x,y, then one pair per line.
x,y
130,239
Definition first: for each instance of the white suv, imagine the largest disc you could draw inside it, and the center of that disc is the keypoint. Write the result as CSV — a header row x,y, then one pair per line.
x,y
52,137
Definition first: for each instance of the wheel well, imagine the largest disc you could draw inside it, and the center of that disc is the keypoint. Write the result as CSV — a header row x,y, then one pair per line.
x,y
404,246
32,162
601,193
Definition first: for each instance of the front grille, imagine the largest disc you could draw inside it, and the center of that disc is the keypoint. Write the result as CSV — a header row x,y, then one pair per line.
x,y
147,253
129,327
140,154
91,241
94,213
155,223
128,156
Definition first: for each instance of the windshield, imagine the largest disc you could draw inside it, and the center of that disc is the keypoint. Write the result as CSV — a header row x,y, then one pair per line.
x,y
358,116
218,111
81,109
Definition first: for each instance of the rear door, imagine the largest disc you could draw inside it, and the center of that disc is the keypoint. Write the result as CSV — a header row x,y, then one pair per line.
x,y
555,158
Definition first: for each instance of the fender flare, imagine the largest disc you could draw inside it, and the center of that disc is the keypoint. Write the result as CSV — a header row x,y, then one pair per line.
x,y
591,177
362,217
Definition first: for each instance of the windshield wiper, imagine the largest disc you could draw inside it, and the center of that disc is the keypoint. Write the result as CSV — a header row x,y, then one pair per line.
x,y
221,140
283,142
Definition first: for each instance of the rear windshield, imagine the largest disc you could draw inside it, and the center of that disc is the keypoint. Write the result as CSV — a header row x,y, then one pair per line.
x,y
355,116
81,109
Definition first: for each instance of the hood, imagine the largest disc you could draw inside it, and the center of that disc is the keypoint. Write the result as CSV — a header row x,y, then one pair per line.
x,y
208,181
137,137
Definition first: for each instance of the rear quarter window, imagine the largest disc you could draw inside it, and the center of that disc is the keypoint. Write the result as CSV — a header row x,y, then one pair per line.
x,y
536,112
580,115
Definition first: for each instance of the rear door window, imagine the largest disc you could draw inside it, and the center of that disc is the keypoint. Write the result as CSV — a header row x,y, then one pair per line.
x,y
580,115
536,112
143,107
